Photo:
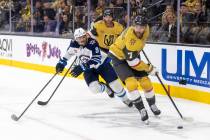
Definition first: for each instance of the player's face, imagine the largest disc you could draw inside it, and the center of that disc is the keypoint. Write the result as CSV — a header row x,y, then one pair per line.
x,y
108,19
82,40
139,30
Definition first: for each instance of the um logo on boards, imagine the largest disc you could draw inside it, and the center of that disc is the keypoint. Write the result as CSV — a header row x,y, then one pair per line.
x,y
188,67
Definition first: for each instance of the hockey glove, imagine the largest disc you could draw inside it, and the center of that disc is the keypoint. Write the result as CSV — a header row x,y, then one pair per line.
x,y
77,70
61,65
153,70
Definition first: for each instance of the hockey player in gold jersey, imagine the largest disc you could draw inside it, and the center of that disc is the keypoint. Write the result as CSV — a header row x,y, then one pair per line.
x,y
106,31
125,54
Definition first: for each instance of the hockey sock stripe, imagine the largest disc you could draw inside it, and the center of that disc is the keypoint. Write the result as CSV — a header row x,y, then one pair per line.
x,y
124,93
134,95
149,94
102,87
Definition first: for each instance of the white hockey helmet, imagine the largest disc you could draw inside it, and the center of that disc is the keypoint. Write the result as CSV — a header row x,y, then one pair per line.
x,y
79,32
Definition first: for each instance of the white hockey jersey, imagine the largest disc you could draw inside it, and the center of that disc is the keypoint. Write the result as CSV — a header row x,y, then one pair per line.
x,y
90,54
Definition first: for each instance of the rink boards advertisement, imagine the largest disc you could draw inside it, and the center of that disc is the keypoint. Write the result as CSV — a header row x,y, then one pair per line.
x,y
32,52
38,50
6,45
181,63
185,69
175,63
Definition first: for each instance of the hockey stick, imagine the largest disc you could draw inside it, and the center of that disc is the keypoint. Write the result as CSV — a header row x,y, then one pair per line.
x,y
165,88
15,118
46,102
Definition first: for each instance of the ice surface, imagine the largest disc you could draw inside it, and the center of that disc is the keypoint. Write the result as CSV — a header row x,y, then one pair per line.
x,y
74,113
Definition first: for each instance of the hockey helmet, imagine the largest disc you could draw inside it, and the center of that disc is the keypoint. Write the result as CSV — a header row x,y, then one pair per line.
x,y
108,12
79,32
140,20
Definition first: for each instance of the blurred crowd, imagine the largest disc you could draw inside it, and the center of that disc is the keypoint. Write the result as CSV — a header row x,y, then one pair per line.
x,y
61,17
194,23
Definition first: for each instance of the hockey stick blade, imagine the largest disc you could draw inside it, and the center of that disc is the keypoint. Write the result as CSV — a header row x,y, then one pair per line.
x,y
42,103
14,117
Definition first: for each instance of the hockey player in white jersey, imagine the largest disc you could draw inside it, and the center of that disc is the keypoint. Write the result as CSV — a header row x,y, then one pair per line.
x,y
93,63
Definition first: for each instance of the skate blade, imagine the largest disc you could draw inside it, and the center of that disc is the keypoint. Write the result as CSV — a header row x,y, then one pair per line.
x,y
146,122
157,116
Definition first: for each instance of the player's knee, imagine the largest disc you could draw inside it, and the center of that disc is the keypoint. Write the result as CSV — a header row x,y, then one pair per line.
x,y
95,87
146,84
118,89
131,83
116,86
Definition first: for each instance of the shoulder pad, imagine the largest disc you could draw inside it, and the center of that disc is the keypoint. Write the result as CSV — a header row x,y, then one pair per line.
x,y
98,23
92,41
74,44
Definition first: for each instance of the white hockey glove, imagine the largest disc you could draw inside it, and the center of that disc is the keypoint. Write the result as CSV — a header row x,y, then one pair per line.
x,y
153,70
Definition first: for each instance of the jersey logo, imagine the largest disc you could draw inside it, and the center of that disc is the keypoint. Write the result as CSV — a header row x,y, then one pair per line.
x,y
92,42
108,40
132,41
84,58
97,50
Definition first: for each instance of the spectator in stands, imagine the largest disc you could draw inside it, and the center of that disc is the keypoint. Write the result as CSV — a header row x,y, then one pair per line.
x,y
20,26
79,19
199,13
4,4
133,6
64,25
190,36
68,12
169,10
120,3
48,11
39,8
184,12
26,12
37,23
202,36
3,15
100,7
59,4
169,29
185,16
139,7
63,4
191,4
49,25
94,18
16,10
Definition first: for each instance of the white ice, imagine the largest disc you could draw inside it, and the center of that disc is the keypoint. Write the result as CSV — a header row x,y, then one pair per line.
x,y
74,113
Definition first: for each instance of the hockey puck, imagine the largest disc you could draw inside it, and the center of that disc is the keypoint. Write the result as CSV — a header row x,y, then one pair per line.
x,y
179,127
183,82
41,103
14,117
